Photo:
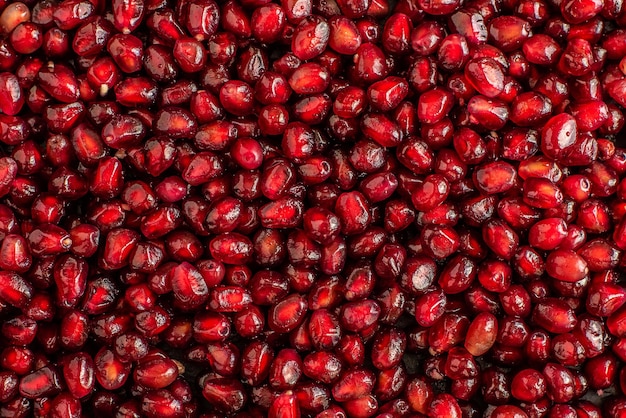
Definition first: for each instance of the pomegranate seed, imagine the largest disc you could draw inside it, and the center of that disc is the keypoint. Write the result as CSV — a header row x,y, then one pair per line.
x,y
353,384
188,285
554,315
10,93
161,403
353,212
433,105
127,15
43,382
486,76
156,373
13,15
287,314
59,81
137,91
566,265
227,395
286,369
444,404
79,374
119,244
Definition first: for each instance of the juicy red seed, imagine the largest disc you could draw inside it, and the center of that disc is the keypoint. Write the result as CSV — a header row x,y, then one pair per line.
x,y
353,384
486,76
156,373
188,285
13,15
310,37
11,94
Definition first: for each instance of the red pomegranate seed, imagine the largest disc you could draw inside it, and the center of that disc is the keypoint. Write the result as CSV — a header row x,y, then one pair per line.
x,y
79,374
286,369
486,76
554,315
566,265
43,382
227,395
353,212
13,15
10,383
156,373
11,96
188,285
353,384
127,52
161,403
434,104
287,314
127,15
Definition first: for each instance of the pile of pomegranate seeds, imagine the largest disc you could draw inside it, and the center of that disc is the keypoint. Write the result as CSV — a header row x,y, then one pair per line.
x,y
312,208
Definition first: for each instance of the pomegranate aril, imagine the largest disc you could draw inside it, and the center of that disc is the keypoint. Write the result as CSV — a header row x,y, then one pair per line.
x,y
138,91
127,14
226,395
79,374
9,383
156,373
188,285
554,315
70,13
11,95
146,257
202,167
353,384
13,15
161,403
43,382
353,211
127,52
302,250
59,81
13,130
19,330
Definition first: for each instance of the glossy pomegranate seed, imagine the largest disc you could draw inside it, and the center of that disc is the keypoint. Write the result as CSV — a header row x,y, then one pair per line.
x,y
227,395
286,369
43,382
433,105
161,403
446,405
13,15
481,334
285,404
111,373
59,81
127,52
10,94
353,212
485,76
353,384
188,285
554,315
79,374
310,37
156,374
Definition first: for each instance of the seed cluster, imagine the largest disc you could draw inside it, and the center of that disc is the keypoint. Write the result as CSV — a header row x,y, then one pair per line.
x,y
312,208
